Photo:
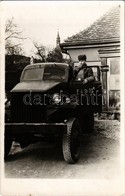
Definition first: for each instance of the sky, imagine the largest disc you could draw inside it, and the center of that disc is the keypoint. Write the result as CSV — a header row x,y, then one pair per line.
x,y
41,20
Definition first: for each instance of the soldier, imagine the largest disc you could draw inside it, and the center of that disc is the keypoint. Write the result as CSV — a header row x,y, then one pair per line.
x,y
82,71
84,74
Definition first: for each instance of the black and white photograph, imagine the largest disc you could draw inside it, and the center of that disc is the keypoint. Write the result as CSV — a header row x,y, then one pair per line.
x,y
62,98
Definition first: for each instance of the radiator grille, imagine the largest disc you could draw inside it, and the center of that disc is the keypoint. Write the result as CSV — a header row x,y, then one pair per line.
x,y
25,112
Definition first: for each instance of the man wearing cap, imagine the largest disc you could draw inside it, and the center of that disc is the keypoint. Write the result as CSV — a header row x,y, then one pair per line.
x,y
82,72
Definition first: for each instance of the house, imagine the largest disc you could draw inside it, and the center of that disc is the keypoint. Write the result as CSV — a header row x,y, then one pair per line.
x,y
101,44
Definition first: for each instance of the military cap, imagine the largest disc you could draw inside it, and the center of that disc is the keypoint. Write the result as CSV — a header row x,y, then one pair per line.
x,y
82,57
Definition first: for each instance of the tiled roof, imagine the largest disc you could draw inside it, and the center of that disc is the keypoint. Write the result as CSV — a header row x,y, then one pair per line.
x,y
106,29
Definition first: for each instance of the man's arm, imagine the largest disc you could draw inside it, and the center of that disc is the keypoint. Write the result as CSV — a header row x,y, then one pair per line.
x,y
90,76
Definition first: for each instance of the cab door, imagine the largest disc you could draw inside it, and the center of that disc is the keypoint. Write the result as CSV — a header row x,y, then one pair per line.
x,y
89,96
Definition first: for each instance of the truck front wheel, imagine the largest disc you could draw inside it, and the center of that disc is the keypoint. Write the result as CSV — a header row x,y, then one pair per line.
x,y
71,141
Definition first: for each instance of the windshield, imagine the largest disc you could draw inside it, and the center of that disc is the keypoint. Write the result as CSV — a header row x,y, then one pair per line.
x,y
54,72
49,72
33,74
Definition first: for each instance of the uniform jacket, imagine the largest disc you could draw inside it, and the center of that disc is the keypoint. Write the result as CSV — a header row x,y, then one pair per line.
x,y
87,71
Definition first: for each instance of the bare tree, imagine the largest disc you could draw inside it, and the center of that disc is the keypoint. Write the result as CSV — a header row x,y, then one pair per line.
x,y
40,51
13,36
15,49
48,54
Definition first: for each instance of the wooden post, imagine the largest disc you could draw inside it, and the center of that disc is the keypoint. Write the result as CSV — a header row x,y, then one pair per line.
x,y
106,69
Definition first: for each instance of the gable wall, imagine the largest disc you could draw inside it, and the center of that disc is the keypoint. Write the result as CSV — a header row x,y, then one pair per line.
x,y
93,53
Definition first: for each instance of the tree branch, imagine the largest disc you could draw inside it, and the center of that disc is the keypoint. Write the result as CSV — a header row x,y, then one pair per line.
x,y
13,35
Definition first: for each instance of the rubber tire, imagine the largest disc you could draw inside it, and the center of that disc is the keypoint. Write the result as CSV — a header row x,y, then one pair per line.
x,y
71,143
7,147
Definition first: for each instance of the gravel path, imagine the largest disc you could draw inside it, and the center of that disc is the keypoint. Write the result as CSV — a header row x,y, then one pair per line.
x,y
108,129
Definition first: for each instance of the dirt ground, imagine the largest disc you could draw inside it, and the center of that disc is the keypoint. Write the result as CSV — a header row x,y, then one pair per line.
x,y
100,157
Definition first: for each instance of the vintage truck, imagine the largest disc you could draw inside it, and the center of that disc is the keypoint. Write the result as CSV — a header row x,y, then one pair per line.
x,y
48,104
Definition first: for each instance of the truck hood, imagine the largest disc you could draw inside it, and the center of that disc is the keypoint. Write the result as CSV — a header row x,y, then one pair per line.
x,y
34,86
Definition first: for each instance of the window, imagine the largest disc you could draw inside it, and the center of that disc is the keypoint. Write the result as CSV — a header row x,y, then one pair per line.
x,y
54,72
114,73
114,66
114,82
33,74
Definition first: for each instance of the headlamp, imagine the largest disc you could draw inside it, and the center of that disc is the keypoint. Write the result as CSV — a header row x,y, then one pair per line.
x,y
56,98
67,100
